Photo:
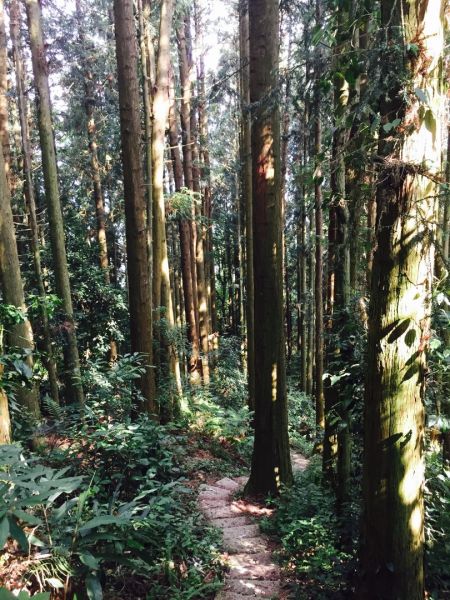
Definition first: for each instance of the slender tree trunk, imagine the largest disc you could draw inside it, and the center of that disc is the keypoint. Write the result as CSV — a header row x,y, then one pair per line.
x,y
5,420
445,403
318,283
19,335
399,317
203,309
185,248
310,351
74,388
4,133
205,229
271,465
139,290
161,274
185,63
49,361
97,189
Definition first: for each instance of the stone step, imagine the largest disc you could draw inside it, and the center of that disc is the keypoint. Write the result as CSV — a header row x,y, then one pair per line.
x,y
253,566
238,527
223,512
228,484
252,588
248,545
214,490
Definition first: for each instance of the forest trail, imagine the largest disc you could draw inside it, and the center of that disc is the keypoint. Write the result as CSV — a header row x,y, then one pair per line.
x,y
252,571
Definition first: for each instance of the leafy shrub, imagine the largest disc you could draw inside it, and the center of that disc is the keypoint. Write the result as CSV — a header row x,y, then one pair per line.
x,y
307,528
437,524
302,420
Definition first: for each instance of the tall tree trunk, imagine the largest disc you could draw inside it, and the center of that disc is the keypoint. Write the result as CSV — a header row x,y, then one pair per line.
x,y
196,127
318,283
339,277
140,299
271,465
49,361
99,202
72,376
185,247
185,64
161,273
19,335
205,226
4,134
445,393
399,317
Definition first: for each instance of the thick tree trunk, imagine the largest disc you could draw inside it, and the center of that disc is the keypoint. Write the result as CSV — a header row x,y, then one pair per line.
x,y
140,299
49,361
74,388
271,465
399,317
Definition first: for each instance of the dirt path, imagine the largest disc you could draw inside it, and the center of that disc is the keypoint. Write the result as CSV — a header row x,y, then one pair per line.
x,y
252,572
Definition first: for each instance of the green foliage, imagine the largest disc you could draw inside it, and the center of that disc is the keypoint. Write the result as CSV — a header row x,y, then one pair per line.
x,y
27,488
110,388
302,420
307,527
437,525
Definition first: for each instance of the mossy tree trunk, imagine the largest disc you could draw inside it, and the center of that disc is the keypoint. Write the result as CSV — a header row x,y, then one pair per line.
x,y
271,465
162,297
72,376
246,185
318,197
399,317
28,189
140,299
19,335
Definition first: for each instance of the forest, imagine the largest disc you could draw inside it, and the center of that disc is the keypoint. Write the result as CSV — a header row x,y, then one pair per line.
x,y
224,299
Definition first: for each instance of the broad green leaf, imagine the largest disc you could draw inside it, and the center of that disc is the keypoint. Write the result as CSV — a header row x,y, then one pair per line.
x,y
89,560
18,534
26,517
101,520
94,588
4,531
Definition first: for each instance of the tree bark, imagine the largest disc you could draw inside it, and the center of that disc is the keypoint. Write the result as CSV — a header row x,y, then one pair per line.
x,y
399,316
161,275
185,247
4,133
318,198
20,335
72,376
140,299
271,465
48,359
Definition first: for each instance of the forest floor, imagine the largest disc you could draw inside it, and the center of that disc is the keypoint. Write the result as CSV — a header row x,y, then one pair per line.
x,y
247,552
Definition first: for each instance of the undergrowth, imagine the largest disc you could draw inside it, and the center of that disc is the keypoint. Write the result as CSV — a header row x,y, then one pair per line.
x,y
106,505
307,528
